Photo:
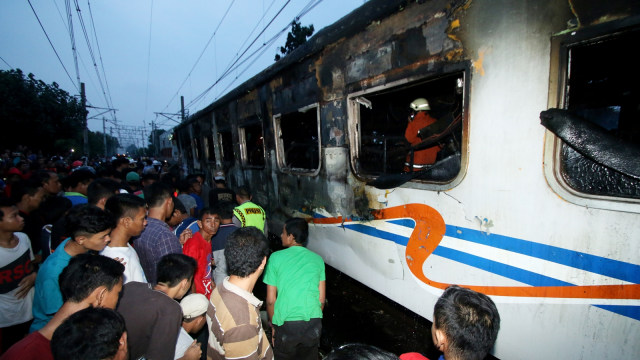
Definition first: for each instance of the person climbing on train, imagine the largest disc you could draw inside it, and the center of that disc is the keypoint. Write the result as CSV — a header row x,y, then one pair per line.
x,y
418,119
249,213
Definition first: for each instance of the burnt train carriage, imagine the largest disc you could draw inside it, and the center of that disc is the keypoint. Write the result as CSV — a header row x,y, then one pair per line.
x,y
543,221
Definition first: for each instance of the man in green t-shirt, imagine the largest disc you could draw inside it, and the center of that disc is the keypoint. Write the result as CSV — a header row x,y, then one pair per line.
x,y
295,281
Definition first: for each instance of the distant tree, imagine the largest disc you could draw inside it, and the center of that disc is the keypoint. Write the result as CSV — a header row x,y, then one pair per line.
x,y
296,37
34,113
96,144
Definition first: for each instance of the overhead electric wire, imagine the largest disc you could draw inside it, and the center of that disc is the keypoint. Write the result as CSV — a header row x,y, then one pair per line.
x,y
95,34
91,53
146,96
230,66
53,47
310,5
4,61
201,53
73,39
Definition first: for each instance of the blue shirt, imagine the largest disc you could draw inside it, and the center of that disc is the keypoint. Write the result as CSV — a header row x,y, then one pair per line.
x,y
156,241
188,223
48,298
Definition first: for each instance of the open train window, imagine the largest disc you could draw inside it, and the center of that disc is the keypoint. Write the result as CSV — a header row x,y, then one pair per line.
x,y
595,153
209,146
298,140
252,144
225,139
385,149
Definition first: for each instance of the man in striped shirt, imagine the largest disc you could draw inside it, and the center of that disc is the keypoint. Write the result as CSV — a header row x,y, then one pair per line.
x,y
233,316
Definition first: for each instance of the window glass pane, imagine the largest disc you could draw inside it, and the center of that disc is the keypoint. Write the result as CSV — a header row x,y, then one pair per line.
x,y
603,88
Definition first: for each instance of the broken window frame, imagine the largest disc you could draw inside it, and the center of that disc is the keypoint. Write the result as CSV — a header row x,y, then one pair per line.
x,y
247,161
280,147
226,147
358,99
558,91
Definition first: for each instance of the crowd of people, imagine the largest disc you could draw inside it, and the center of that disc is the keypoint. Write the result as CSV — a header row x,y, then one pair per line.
x,y
126,259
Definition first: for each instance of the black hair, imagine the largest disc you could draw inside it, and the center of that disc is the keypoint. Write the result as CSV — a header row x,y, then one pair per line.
x,y
4,203
87,219
173,268
359,352
155,194
299,228
24,187
119,161
53,208
246,248
78,176
89,334
224,209
243,191
178,205
207,211
87,272
101,188
469,320
42,176
124,205
149,176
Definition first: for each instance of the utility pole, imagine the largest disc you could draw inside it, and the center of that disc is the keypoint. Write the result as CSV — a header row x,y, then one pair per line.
x,y
104,137
182,107
83,99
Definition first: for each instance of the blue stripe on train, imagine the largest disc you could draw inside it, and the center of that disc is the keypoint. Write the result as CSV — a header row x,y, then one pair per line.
x,y
579,260
508,271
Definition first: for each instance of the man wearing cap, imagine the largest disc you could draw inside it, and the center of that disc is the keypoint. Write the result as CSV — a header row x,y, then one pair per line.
x,y
220,192
249,213
418,119
133,180
194,310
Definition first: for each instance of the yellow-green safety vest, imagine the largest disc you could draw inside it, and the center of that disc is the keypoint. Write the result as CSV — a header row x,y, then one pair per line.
x,y
251,214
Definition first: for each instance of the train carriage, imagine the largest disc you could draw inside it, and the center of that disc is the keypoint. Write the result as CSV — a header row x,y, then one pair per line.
x,y
534,198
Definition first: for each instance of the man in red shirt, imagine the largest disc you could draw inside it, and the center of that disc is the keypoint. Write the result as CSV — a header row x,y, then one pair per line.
x,y
199,248
419,119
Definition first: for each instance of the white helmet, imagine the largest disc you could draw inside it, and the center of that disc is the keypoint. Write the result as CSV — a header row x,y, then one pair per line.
x,y
420,104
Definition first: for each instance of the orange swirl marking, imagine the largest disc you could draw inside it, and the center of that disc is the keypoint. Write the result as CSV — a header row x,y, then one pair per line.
x,y
425,238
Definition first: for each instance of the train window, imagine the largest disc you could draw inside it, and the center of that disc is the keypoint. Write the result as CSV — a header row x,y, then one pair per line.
x,y
389,141
298,140
209,146
225,138
601,102
252,145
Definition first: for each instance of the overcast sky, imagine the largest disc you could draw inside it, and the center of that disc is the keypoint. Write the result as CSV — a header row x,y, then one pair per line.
x,y
146,50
